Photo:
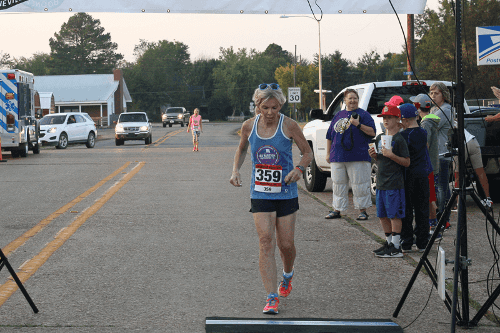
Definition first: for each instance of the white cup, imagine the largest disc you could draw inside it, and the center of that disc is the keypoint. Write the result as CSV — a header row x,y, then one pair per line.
x,y
373,145
386,141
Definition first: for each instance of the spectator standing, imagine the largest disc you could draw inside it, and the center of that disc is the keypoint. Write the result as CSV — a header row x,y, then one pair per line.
x,y
430,123
390,182
347,139
416,181
441,98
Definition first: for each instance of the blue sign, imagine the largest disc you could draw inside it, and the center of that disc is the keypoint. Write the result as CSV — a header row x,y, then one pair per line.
x,y
407,73
488,45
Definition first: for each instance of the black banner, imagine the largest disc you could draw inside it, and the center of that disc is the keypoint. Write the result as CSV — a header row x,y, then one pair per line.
x,y
5,4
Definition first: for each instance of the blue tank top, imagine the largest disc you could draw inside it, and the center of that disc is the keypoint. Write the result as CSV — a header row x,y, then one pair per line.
x,y
271,161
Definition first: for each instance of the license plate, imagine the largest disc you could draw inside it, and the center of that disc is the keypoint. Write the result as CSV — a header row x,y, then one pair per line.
x,y
171,121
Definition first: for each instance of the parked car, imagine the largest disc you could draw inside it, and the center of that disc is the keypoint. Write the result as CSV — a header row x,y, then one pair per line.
x,y
133,126
175,115
62,129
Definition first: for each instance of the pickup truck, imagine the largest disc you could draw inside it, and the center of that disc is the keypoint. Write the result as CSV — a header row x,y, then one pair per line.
x,y
372,97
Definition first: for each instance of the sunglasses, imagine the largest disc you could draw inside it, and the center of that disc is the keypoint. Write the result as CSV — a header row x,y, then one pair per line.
x,y
273,86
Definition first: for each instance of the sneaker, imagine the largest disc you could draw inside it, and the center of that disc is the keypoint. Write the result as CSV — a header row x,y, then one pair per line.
x,y
390,252
406,248
439,235
382,248
285,287
271,304
447,226
487,202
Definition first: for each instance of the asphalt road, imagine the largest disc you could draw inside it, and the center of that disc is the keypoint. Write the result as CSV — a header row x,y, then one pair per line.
x,y
155,239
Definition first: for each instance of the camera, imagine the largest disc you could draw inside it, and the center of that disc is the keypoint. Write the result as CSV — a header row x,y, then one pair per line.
x,y
354,115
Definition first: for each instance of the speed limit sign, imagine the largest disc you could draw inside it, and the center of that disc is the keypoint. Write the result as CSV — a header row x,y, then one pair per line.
x,y
293,94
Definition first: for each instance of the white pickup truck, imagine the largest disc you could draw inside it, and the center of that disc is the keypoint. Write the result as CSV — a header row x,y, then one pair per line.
x,y
372,97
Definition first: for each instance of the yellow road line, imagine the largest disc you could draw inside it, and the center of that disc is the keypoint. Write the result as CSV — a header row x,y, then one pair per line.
x,y
12,246
31,266
163,139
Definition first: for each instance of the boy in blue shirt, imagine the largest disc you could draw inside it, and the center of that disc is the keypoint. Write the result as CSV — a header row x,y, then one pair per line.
x,y
390,182
416,181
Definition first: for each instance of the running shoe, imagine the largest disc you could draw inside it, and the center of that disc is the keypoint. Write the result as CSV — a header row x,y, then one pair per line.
x,y
271,304
382,248
390,252
447,226
285,287
439,235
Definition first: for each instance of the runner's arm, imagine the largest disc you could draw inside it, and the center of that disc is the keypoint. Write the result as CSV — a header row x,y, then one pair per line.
x,y
295,132
241,152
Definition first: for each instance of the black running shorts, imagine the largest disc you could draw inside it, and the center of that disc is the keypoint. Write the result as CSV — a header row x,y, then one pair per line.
x,y
281,207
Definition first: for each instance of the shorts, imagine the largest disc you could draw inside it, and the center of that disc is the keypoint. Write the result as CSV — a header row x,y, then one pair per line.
x,y
432,188
196,135
472,155
391,203
281,207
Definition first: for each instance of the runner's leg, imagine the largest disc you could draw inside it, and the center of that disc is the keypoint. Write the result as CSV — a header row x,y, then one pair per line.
x,y
265,223
285,232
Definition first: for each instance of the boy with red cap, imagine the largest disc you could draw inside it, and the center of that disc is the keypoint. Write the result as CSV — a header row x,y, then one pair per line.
x,y
390,182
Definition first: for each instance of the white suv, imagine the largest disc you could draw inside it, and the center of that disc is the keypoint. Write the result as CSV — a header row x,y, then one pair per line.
x,y
61,129
133,126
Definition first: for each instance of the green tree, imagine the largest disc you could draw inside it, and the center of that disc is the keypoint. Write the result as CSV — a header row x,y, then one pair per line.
x,y
435,49
82,47
5,61
38,64
306,77
159,76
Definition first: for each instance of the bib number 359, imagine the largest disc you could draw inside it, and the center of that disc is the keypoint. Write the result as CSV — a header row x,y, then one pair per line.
x,y
268,178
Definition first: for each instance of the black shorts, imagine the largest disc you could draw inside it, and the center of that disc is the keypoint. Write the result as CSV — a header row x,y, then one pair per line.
x,y
281,207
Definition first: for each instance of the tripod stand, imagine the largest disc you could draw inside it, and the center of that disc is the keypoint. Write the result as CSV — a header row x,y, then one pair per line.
x,y
461,260
5,262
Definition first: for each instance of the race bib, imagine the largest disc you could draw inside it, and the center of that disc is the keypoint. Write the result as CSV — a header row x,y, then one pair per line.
x,y
268,178
195,128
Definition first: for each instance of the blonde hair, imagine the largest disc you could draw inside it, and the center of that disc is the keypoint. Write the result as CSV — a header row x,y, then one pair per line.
x,y
196,110
443,89
263,95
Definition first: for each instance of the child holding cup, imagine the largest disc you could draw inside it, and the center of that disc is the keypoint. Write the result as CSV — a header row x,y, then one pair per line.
x,y
392,158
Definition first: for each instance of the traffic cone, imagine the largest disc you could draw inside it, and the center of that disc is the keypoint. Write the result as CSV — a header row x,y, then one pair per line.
x,y
1,160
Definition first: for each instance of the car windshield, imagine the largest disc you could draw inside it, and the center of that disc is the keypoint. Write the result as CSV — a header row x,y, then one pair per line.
x,y
174,110
129,118
53,120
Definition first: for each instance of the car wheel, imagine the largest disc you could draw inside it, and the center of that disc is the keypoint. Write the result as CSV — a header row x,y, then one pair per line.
x,y
23,152
373,182
119,142
36,148
169,125
14,153
90,140
164,125
314,179
182,124
63,141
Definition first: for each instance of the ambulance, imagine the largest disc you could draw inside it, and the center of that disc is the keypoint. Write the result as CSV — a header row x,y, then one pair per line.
x,y
19,128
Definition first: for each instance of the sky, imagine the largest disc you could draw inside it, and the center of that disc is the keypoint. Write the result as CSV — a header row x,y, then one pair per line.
x,y
353,35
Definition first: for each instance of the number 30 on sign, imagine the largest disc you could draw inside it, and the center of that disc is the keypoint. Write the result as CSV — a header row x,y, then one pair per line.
x,y
293,94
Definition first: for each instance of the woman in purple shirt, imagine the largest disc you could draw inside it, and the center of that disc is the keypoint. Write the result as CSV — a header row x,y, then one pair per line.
x,y
347,139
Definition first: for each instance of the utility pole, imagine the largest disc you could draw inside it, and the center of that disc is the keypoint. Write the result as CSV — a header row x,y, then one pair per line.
x,y
410,45
294,70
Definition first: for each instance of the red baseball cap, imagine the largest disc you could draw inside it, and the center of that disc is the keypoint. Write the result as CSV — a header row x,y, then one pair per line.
x,y
390,110
395,101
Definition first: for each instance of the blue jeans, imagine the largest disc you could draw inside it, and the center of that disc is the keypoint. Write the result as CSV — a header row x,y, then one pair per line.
x,y
443,186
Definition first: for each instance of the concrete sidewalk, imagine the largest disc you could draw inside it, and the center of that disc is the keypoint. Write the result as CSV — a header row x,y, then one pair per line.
x,y
479,252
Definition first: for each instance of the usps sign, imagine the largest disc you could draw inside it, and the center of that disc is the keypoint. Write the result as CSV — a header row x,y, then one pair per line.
x,y
488,45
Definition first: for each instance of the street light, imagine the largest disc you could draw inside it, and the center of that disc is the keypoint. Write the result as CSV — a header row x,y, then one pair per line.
x,y
319,59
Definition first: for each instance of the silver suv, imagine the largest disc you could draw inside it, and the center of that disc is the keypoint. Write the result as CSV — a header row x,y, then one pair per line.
x,y
133,126
175,115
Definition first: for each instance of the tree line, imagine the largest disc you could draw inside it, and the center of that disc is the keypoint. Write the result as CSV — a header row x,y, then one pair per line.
x,y
164,74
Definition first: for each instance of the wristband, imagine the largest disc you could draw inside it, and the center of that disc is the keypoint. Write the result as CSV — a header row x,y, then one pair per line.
x,y
301,168
359,126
